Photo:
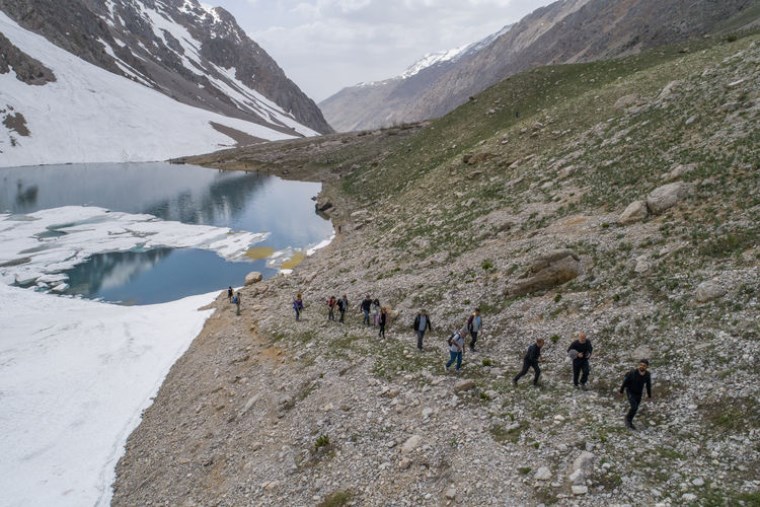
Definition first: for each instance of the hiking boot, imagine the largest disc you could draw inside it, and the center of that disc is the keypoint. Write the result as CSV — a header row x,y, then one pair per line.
x,y
514,382
629,425
583,387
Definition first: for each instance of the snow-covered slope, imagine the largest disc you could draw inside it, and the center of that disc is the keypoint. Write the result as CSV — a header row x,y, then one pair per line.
x,y
180,85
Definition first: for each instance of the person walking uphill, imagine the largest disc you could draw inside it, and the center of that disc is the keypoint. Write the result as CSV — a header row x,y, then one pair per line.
x,y
366,306
298,306
456,347
531,360
474,323
331,304
342,307
382,319
635,381
236,301
580,351
229,294
421,324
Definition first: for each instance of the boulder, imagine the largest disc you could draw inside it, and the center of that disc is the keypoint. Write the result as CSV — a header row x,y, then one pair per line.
x,y
709,290
635,212
411,444
464,385
666,196
253,277
548,271
543,474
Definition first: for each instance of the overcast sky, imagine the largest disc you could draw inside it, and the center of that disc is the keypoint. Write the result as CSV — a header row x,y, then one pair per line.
x,y
326,45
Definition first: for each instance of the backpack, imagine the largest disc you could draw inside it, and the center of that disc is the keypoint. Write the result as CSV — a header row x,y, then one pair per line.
x,y
450,341
235,299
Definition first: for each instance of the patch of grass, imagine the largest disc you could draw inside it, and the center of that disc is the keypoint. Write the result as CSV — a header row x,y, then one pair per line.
x,y
337,499
507,435
524,470
322,441
732,414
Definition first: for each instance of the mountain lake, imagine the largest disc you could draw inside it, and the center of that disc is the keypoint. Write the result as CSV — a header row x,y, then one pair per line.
x,y
282,211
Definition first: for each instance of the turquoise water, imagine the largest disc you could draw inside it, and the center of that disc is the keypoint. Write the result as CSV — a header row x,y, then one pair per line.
x,y
189,194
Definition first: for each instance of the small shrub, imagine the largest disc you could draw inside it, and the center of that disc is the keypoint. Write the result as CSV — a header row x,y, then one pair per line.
x,y
554,338
322,441
487,265
337,499
487,362
557,298
524,470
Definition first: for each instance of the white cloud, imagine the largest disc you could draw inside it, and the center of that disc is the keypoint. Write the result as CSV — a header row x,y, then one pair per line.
x,y
325,45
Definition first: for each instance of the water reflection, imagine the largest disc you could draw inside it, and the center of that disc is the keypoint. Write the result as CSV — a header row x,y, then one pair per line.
x,y
188,194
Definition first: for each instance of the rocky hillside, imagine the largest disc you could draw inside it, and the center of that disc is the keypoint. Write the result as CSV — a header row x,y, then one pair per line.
x,y
622,201
564,32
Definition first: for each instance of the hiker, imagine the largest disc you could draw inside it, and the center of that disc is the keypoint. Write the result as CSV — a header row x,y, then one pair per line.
x,y
342,307
376,309
421,324
298,306
456,347
531,360
236,300
634,382
382,319
580,352
365,306
331,304
229,294
474,323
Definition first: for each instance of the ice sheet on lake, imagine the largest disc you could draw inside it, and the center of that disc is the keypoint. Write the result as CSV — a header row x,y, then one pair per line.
x,y
75,376
35,246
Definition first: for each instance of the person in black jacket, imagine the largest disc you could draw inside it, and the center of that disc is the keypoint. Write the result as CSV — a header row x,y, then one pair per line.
x,y
580,351
634,382
531,359
421,324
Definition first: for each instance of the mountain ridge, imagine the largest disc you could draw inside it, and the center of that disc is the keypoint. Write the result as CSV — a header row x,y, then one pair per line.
x,y
563,32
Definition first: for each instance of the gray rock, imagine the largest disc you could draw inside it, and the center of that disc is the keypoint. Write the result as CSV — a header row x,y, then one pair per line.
x,y
635,212
543,474
253,277
709,290
666,196
579,490
451,493
548,271
411,444
464,385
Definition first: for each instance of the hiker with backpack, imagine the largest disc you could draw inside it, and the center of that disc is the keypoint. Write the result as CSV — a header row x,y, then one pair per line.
x,y
634,382
366,306
236,302
456,348
530,360
421,324
229,294
580,352
474,324
342,307
331,304
298,306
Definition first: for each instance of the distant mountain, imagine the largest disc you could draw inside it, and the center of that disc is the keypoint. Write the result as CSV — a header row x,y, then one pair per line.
x,y
566,31
112,58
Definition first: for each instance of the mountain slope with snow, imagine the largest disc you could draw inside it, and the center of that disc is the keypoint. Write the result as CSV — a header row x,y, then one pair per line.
x,y
136,80
566,31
